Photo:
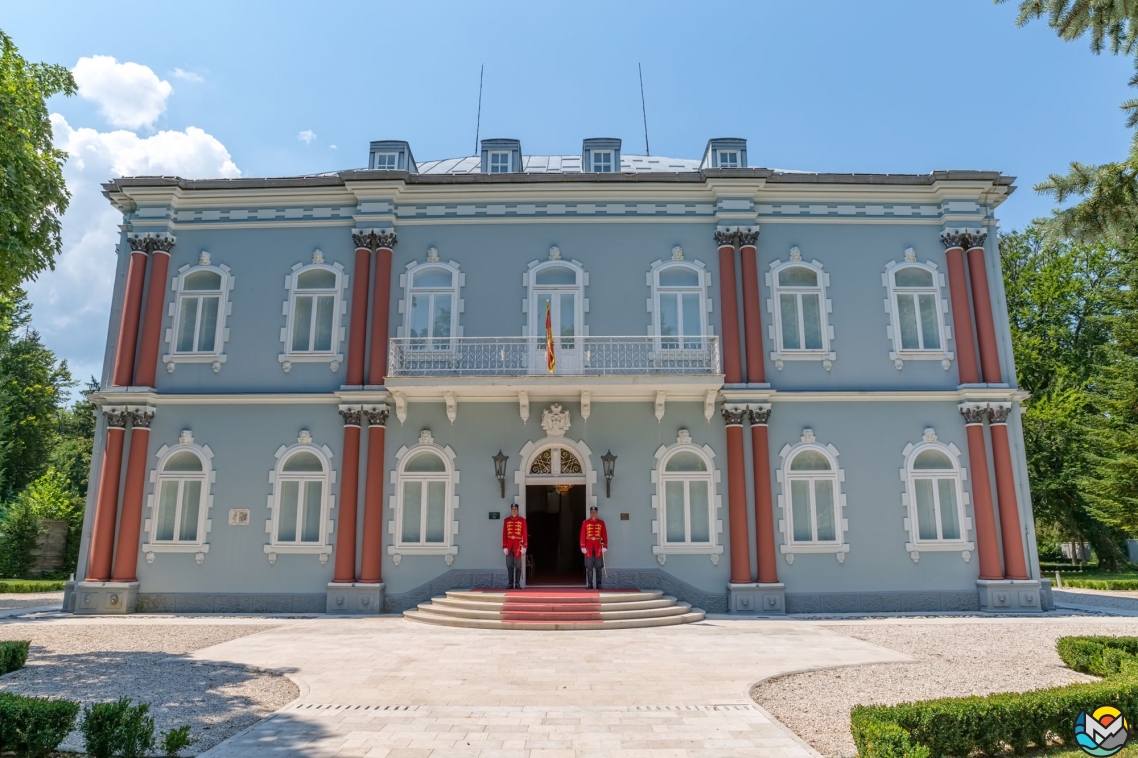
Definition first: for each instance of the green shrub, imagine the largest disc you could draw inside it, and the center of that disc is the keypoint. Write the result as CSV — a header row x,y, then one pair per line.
x,y
118,729
962,726
176,740
29,585
13,655
1100,584
34,726
21,529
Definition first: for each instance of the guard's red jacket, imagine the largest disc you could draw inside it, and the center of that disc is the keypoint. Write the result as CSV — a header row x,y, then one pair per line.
x,y
594,536
515,536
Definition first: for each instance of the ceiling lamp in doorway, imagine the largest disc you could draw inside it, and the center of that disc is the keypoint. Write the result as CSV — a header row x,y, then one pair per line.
x,y
563,488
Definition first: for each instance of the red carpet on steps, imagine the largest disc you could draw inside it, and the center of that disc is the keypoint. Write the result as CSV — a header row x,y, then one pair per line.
x,y
553,604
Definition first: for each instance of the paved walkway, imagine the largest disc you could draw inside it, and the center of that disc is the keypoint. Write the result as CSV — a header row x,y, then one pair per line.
x,y
390,688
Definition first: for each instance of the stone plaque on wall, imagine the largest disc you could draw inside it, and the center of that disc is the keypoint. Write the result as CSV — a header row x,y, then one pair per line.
x,y
239,517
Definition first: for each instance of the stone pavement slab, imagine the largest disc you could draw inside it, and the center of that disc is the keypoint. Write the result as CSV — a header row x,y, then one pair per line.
x,y
387,687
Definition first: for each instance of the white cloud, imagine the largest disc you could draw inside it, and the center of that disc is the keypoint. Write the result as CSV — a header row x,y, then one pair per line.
x,y
307,136
188,76
332,147
129,94
72,303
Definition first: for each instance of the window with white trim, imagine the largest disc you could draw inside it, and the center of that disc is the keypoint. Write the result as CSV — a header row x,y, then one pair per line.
x,y
727,158
917,311
602,161
386,161
431,317
500,162
812,502
314,327
198,314
302,488
686,502
179,500
679,305
801,325
935,502
424,500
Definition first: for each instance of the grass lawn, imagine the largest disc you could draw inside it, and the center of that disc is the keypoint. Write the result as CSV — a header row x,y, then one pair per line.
x,y
30,585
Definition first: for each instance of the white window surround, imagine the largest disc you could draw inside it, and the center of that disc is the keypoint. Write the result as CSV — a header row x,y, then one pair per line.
x,y
556,438
652,281
664,453
789,548
386,161
205,524
727,159
602,161
323,546
529,279
915,546
332,357
499,161
406,280
216,357
781,354
893,329
448,549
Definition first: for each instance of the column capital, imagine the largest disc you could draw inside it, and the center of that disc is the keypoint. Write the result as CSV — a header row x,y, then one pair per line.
x,y
747,238
351,416
733,414
116,417
725,238
373,239
963,238
376,416
974,413
140,417
147,243
759,415
998,412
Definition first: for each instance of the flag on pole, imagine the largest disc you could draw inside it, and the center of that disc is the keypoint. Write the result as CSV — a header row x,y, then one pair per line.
x,y
550,358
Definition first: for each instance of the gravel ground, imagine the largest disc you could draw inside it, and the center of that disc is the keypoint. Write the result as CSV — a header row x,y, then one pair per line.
x,y
13,600
102,661
952,659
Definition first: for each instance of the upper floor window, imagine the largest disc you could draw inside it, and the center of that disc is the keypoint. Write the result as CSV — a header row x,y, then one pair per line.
x,y
680,305
801,328
500,162
424,499
917,311
556,302
315,308
180,501
935,498
386,161
602,161
201,305
727,158
811,499
431,305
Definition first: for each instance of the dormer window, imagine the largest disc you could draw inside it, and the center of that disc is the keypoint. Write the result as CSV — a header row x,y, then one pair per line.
x,y
499,163
386,161
600,155
602,161
391,155
725,152
727,159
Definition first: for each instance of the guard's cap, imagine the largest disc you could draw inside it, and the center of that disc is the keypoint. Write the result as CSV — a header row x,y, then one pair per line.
x,y
592,508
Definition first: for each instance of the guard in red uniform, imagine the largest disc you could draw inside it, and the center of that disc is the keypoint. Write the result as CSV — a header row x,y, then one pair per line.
x,y
515,540
594,545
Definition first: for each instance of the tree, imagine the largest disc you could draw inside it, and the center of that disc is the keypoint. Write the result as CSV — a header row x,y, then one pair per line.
x,y
72,453
1106,20
33,195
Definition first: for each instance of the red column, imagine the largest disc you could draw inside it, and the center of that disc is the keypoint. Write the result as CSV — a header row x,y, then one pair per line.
x,y
961,315
985,520
737,498
349,487
982,303
752,319
357,327
764,507
1014,565
152,322
381,304
130,520
107,501
372,560
732,367
131,312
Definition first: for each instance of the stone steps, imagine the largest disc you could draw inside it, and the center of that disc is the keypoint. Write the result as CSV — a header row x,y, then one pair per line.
x,y
553,608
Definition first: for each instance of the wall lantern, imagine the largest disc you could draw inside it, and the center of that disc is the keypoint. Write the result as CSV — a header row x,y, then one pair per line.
x,y
609,461
500,470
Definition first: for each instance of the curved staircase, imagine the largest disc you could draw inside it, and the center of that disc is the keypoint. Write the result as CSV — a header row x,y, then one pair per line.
x,y
554,608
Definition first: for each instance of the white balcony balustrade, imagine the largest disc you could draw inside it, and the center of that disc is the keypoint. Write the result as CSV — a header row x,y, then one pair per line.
x,y
575,356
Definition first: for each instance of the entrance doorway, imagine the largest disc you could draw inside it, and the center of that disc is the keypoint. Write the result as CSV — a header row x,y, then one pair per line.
x,y
554,521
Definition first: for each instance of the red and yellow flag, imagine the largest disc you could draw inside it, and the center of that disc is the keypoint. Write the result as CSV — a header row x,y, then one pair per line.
x,y
550,358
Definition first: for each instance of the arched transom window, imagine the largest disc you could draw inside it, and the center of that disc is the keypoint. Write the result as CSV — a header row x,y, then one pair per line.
x,y
917,312
934,498
679,304
686,502
801,326
180,500
200,309
811,499
301,502
315,309
424,500
431,307
556,297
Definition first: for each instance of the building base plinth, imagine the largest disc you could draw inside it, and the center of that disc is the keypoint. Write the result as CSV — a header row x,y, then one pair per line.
x,y
1010,595
106,598
757,599
355,598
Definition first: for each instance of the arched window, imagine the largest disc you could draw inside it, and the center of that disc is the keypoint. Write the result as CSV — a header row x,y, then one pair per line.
x,y
315,308
424,500
935,499
557,291
801,328
680,305
180,511
685,500
302,500
201,305
916,307
811,499
431,307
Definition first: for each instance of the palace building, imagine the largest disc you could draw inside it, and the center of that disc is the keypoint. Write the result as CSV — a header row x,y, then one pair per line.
x,y
786,392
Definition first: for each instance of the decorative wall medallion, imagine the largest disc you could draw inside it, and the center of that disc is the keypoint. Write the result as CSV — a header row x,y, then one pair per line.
x,y
305,437
396,559
966,555
554,253
199,557
150,557
216,366
426,438
677,253
777,364
186,437
790,559
827,364
841,557
448,558
272,558
318,256
203,258
946,364
323,558
910,255
916,556
808,436
715,559
683,437
286,366
169,367
900,364
661,559
795,254
555,421
334,366
432,255
239,517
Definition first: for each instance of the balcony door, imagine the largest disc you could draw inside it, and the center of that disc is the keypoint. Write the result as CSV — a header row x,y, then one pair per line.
x,y
556,289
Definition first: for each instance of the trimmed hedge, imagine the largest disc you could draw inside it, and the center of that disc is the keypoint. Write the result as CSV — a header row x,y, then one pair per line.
x,y
961,726
34,726
1099,584
13,655
21,586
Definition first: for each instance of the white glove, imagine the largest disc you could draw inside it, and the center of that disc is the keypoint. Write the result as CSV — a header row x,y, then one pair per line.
x,y
584,551
523,551
505,551
604,549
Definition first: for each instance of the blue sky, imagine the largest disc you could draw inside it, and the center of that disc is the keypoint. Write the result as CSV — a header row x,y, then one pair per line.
x,y
893,86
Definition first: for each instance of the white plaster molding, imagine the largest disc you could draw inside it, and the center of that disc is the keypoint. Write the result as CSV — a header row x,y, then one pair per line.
x,y
451,477
652,280
555,421
207,477
452,406
914,545
658,405
713,478
333,357
709,404
523,405
839,547
400,406
323,546
458,305
780,355
216,357
586,405
530,450
892,329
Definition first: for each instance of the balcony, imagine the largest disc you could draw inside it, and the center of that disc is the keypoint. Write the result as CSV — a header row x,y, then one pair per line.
x,y
575,357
